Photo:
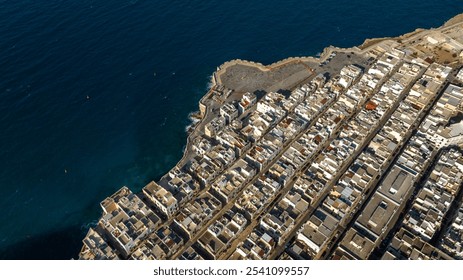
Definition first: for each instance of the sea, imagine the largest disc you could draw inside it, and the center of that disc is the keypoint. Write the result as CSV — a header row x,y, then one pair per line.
x,y
95,95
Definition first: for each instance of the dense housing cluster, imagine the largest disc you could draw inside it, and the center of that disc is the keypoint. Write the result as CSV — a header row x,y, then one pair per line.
x,y
363,162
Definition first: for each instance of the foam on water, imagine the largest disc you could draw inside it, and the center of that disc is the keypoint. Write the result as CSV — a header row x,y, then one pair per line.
x,y
103,90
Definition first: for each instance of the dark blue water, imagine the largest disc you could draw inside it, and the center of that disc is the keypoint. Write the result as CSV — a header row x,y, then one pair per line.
x,y
82,113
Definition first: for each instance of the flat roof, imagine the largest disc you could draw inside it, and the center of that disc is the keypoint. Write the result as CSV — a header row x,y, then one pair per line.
x,y
377,214
357,244
396,185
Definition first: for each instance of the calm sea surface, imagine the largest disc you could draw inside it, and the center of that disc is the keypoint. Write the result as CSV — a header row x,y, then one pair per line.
x,y
95,95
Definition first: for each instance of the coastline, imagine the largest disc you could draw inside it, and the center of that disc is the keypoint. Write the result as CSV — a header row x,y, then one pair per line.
x,y
366,46
286,75
361,49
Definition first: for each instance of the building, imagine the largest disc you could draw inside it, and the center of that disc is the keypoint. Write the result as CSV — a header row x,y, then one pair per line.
x,y
162,199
